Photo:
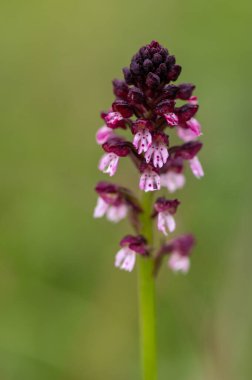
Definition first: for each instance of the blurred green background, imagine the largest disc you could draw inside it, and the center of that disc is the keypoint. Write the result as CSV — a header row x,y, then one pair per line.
x,y
65,312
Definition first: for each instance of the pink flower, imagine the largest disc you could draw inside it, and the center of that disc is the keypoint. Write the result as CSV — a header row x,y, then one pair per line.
x,y
196,167
193,131
179,250
172,181
171,118
113,213
108,163
142,140
149,180
114,120
104,134
165,209
125,258
179,263
158,152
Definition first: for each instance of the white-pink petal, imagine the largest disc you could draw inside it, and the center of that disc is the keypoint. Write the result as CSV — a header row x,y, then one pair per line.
x,y
149,181
191,133
196,167
117,213
172,181
101,208
142,140
166,222
125,259
158,152
103,134
179,263
108,163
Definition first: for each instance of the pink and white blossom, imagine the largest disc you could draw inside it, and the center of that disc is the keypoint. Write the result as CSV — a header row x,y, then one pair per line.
x,y
103,134
158,152
108,163
125,259
192,132
166,222
113,119
196,167
179,263
172,181
142,140
149,181
113,213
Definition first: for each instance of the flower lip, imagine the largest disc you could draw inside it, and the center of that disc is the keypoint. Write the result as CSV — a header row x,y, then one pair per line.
x,y
137,244
162,204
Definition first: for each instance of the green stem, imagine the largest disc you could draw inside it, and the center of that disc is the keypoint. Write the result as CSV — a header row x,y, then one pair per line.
x,y
147,307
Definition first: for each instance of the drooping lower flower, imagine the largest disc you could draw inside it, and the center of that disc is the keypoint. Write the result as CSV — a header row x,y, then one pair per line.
x,y
179,250
115,202
164,210
126,256
113,213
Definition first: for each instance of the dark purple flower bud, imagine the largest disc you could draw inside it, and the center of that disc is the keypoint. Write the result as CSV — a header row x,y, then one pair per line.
x,y
152,81
147,65
127,75
117,146
135,67
186,151
157,59
135,96
186,112
162,204
140,124
170,61
137,244
174,72
165,106
120,89
122,107
185,91
169,91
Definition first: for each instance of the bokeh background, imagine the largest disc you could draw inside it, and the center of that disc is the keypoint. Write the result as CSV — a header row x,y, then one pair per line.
x,y
65,312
